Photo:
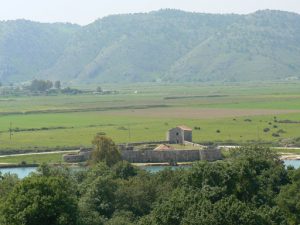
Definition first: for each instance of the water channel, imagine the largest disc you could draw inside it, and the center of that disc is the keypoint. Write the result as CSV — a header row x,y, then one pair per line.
x,y
25,171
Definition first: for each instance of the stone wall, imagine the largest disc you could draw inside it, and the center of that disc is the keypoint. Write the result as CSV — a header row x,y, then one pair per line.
x,y
73,158
83,155
188,135
175,136
171,156
151,156
211,154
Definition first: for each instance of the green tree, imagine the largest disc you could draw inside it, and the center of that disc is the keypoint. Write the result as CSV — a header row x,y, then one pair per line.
x,y
57,84
99,89
289,198
98,202
7,183
40,200
125,170
40,85
136,195
105,150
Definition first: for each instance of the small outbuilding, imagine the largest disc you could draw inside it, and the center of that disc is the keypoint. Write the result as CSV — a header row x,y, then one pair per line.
x,y
179,135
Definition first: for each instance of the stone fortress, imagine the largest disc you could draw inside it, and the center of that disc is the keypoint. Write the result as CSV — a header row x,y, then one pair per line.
x,y
159,152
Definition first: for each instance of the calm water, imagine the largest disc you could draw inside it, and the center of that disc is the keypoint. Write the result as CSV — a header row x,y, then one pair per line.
x,y
20,171
155,169
294,163
25,171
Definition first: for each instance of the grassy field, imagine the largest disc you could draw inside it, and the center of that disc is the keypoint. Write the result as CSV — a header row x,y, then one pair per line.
x,y
33,159
240,113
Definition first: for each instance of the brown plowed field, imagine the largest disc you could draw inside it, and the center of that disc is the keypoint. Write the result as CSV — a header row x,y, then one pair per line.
x,y
192,113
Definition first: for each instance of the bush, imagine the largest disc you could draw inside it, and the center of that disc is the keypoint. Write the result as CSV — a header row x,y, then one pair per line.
x,y
281,131
23,163
122,128
266,129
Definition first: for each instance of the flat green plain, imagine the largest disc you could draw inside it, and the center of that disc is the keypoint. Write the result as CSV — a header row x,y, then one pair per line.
x,y
33,159
225,113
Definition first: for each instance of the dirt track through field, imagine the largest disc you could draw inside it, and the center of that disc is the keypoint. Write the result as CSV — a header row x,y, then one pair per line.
x,y
193,113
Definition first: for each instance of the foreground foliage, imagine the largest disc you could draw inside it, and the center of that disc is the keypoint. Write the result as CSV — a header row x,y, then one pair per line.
x,y
251,187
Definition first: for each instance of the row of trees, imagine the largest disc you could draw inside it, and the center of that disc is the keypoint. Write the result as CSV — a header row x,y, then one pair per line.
x,y
43,85
251,187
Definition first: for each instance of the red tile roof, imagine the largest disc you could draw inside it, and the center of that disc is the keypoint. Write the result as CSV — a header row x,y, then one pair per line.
x,y
164,148
183,127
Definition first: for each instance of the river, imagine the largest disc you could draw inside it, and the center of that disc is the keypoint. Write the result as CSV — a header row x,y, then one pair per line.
x,y
25,171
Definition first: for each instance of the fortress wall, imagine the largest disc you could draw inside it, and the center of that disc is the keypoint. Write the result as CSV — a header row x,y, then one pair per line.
x,y
171,156
73,158
210,154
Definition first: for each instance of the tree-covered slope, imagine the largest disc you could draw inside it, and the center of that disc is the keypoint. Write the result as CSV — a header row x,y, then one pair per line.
x,y
260,46
167,45
138,47
28,47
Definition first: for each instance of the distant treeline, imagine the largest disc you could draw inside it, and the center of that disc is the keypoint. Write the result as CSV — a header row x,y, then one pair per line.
x,y
47,87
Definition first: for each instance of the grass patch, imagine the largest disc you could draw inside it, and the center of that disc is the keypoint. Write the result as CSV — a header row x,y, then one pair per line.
x,y
34,159
63,121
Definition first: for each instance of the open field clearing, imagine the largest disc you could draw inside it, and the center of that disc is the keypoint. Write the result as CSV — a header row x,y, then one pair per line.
x,y
32,159
78,129
256,96
257,113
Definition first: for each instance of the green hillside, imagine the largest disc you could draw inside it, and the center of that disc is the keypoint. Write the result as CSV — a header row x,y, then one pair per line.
x,y
260,46
28,47
167,45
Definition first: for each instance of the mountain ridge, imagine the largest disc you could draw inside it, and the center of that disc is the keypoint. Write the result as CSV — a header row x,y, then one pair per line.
x,y
164,45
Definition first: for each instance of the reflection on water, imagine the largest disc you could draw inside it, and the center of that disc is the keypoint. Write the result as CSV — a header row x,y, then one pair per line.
x,y
155,169
294,163
20,171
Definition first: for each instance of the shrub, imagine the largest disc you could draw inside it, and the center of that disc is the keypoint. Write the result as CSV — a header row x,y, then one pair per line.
x,y
23,163
266,129
281,131
122,128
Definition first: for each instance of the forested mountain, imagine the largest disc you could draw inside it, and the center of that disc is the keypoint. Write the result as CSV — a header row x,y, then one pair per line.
x,y
167,45
27,48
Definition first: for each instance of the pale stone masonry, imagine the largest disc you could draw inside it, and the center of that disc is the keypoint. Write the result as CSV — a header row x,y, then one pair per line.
x,y
179,135
160,154
151,156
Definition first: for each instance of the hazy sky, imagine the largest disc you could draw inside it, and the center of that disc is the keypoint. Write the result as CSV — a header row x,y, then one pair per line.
x,y
86,11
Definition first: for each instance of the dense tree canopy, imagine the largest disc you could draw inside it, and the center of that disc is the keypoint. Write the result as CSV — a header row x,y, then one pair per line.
x,y
40,85
41,199
252,186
